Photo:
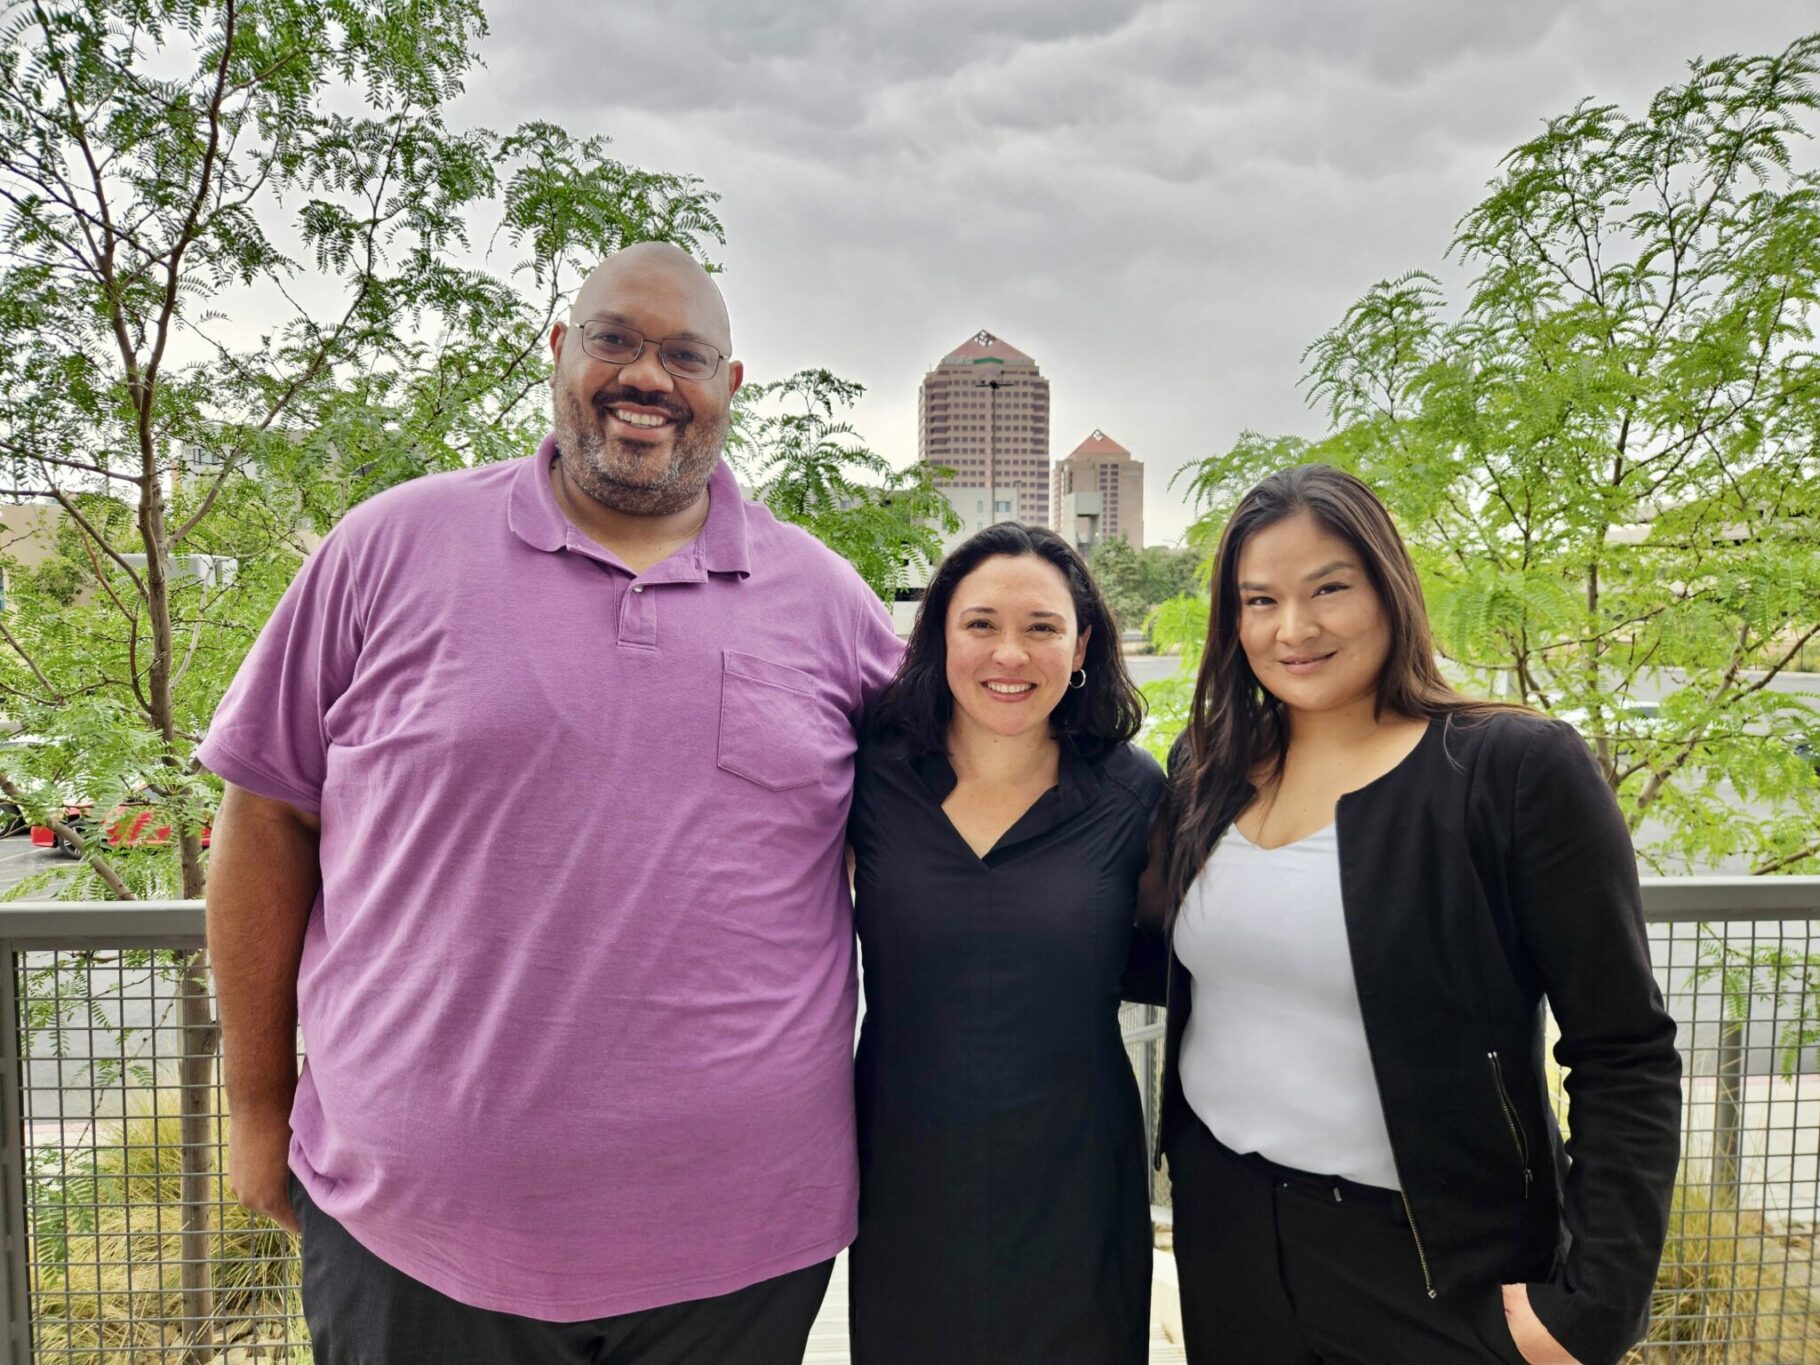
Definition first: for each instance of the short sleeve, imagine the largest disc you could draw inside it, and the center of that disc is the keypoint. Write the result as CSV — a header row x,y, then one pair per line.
x,y
876,649
269,734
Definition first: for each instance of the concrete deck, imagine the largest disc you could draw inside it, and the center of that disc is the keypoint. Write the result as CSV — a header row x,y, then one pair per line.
x,y
828,1338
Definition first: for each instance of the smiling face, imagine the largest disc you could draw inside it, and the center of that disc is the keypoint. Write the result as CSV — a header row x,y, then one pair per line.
x,y
1012,641
634,437
1310,621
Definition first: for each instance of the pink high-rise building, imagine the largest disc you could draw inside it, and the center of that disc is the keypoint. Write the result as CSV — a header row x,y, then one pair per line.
x,y
1099,492
984,413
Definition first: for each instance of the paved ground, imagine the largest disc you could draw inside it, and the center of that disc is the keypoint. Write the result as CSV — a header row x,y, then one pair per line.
x,y
828,1338
1149,667
19,860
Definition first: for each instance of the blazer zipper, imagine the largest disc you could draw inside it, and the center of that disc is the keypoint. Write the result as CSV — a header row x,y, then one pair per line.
x,y
1517,1137
1428,1279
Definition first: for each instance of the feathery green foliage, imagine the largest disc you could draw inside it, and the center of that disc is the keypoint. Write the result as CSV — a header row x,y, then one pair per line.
x,y
237,295
813,470
1134,582
1603,455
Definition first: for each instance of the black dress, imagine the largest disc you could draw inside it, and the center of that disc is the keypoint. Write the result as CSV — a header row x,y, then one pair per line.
x,y
1004,1211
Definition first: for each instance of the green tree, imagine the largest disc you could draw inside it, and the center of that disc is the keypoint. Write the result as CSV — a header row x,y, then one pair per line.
x,y
237,294
1118,571
232,310
812,469
1134,582
1604,456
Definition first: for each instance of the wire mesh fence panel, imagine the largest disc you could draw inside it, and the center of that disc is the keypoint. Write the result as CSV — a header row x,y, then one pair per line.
x,y
1737,1278
137,1253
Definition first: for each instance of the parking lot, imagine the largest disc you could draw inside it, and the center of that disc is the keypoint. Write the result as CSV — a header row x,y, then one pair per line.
x,y
19,860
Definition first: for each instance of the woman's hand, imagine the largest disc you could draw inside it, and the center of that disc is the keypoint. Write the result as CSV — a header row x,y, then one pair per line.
x,y
1534,1342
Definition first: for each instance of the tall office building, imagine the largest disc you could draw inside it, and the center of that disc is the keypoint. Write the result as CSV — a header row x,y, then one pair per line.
x,y
1099,491
985,415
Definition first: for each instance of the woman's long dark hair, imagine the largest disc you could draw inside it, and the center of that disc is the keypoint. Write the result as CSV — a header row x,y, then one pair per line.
x,y
918,705
1236,726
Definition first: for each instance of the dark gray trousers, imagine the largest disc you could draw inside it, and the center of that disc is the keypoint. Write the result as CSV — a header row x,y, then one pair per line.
x,y
1275,1270
363,1312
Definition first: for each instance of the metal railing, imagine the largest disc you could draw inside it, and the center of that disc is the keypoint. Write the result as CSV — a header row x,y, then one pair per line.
x,y
1740,969
121,1243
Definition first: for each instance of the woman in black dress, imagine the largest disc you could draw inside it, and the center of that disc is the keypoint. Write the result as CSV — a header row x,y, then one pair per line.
x,y
999,825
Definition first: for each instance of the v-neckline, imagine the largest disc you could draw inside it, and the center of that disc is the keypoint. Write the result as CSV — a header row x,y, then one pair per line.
x,y
1074,779
941,809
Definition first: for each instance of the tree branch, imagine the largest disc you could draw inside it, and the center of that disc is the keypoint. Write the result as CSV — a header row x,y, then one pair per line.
x,y
1799,855
79,132
98,540
187,233
57,698
1787,658
103,869
1659,777
84,466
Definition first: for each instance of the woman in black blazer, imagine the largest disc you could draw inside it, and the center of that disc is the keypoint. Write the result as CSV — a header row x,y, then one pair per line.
x,y
1368,885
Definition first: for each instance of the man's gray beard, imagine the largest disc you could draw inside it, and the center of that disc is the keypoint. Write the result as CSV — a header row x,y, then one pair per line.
x,y
593,466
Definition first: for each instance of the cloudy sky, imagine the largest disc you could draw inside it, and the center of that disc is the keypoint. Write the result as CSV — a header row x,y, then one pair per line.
x,y
1162,201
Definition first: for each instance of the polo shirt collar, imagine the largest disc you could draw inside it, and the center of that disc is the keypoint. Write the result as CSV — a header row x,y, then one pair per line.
x,y
536,518
722,540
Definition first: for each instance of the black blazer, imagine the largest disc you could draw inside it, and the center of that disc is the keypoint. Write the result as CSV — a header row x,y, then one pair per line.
x,y
1489,870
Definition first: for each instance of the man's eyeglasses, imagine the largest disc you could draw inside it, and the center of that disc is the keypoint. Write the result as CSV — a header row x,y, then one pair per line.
x,y
619,345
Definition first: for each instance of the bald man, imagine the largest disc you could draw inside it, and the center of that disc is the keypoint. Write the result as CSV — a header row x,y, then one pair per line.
x,y
536,784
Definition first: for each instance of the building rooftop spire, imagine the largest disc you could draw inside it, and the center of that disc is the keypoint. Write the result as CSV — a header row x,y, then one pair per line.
x,y
983,348
1099,444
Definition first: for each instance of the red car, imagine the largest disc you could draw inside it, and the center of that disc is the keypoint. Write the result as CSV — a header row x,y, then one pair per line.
x,y
128,826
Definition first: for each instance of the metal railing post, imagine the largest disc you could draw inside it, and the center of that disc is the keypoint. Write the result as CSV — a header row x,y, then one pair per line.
x,y
15,1290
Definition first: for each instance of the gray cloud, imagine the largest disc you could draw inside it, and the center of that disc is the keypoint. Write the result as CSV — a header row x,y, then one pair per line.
x,y
1163,201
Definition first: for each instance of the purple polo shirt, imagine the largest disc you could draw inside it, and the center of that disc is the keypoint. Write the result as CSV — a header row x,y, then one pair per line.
x,y
578,993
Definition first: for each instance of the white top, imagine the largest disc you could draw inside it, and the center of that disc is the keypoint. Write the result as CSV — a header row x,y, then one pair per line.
x,y
1274,1058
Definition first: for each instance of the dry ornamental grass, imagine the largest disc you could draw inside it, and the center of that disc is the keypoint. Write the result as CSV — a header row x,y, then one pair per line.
x,y
106,1255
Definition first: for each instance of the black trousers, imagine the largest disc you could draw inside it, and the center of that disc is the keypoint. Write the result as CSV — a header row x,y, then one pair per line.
x,y
363,1312
1280,1267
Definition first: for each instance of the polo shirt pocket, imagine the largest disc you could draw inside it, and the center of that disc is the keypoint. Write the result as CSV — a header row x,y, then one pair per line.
x,y
771,725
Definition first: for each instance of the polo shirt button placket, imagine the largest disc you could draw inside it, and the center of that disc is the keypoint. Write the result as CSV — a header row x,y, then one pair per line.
x,y
638,619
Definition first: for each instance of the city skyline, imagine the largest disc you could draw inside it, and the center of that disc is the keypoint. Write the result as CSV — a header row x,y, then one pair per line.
x,y
983,415
1165,201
